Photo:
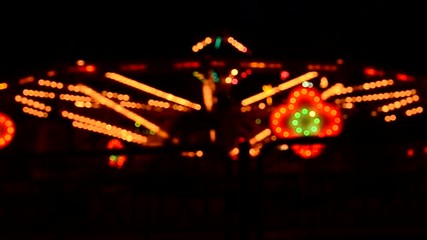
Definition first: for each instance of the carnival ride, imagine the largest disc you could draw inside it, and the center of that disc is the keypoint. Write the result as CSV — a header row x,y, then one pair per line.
x,y
223,95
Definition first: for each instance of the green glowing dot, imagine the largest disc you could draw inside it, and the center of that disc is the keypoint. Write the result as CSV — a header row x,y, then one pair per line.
x,y
298,129
137,124
314,129
304,111
258,121
113,158
316,120
294,122
306,132
297,115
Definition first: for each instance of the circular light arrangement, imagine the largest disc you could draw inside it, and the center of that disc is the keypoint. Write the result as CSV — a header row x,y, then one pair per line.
x,y
305,122
304,114
116,160
7,130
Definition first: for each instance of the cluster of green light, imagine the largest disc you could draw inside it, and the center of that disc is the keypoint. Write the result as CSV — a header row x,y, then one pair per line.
x,y
305,122
215,76
218,42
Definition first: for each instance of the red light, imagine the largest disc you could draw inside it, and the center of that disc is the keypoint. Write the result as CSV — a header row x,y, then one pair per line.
x,y
116,160
304,115
217,63
191,64
404,77
370,71
284,75
307,151
410,152
133,67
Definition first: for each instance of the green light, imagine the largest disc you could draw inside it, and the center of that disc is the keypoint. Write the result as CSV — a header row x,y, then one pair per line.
x,y
316,120
298,129
137,124
295,122
314,129
258,121
306,132
304,111
113,158
218,42
297,115
215,76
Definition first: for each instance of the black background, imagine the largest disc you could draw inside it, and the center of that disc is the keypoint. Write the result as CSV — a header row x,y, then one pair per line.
x,y
36,35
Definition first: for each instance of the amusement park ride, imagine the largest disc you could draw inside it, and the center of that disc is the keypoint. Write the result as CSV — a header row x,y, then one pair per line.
x,y
222,95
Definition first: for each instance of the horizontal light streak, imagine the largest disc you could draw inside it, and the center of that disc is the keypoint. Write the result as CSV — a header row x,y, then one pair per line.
x,y
38,93
340,89
377,96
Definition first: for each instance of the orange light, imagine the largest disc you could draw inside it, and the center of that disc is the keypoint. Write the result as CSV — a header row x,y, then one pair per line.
x,y
7,130
90,68
84,68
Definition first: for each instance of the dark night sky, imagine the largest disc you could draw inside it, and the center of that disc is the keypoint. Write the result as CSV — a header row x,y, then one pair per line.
x,y
370,31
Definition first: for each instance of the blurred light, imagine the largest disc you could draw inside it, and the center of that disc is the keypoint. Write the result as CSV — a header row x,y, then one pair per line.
x,y
410,152
133,67
3,86
188,64
82,69
117,161
307,151
7,130
218,41
284,75
404,77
